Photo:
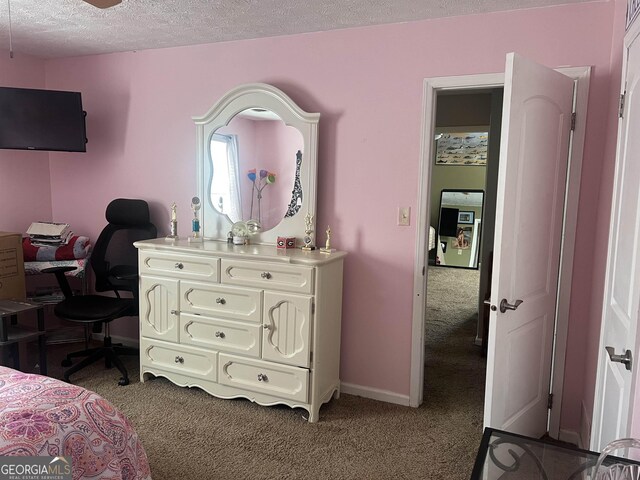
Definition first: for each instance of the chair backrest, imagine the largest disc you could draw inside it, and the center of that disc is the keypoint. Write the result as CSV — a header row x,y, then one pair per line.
x,y
128,221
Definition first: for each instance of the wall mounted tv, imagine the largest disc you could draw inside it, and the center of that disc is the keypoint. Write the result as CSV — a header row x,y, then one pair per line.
x,y
42,120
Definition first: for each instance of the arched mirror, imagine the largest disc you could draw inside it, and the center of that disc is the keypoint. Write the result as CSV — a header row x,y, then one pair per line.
x,y
257,161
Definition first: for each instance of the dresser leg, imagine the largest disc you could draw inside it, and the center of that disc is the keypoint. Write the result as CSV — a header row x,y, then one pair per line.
x,y
336,393
314,415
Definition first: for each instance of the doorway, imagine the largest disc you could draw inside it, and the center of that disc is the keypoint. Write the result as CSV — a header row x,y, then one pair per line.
x,y
490,81
462,190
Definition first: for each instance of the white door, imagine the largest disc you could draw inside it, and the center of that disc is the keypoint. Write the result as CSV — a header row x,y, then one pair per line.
x,y
534,151
611,415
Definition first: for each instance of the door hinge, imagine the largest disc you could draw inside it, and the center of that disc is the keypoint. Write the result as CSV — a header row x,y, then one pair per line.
x,y
621,111
313,307
423,271
550,401
573,121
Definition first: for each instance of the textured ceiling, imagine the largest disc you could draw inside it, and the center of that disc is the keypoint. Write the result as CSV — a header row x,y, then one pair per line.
x,y
63,28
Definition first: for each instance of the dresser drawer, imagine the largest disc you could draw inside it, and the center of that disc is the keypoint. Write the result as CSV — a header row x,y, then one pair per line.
x,y
192,267
215,300
223,335
271,276
270,378
189,361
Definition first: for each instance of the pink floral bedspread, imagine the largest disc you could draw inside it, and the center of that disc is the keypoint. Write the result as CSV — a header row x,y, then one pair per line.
x,y
41,416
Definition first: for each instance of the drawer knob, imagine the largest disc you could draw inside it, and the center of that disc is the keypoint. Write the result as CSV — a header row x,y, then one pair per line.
x,y
174,312
262,377
179,359
266,275
220,334
179,266
266,326
221,300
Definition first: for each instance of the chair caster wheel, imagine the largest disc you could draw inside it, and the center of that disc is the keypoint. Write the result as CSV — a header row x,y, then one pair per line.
x,y
66,362
123,381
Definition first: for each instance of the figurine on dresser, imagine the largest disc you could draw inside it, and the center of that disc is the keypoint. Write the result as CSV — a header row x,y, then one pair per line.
x,y
308,233
327,246
173,224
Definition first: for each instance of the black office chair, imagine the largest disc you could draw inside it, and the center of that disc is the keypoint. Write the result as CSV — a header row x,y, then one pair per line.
x,y
115,264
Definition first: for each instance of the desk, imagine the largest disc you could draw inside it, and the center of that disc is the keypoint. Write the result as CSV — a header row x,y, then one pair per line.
x,y
11,334
506,456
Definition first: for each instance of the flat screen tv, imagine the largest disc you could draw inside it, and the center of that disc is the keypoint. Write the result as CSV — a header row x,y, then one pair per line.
x,y
42,120
448,222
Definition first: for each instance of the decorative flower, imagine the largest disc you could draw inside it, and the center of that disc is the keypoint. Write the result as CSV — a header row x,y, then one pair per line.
x,y
252,174
263,173
271,178
31,426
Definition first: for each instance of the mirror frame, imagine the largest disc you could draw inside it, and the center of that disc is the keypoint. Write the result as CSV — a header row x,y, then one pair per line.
x,y
215,225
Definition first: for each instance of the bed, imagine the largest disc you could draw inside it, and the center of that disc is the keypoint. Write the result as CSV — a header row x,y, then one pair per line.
x,y
41,416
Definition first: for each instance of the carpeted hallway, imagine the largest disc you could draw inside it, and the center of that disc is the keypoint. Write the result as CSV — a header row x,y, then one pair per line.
x,y
454,367
190,435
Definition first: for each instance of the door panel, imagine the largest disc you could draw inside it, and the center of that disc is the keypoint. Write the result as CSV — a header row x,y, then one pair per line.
x,y
525,352
534,153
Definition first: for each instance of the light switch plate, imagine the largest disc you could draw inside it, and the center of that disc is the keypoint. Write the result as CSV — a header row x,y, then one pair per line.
x,y
404,216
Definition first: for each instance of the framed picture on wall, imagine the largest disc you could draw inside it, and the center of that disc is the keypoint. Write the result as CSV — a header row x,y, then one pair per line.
x,y
462,148
465,217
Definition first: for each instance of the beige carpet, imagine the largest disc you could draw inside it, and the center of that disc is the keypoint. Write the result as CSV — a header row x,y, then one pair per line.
x,y
454,366
191,435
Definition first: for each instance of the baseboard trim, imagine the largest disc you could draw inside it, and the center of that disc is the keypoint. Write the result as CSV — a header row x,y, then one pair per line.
x,y
570,437
374,394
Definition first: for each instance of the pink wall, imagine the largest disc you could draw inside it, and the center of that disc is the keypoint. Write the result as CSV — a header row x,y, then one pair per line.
x,y
25,185
266,145
595,206
367,85
278,146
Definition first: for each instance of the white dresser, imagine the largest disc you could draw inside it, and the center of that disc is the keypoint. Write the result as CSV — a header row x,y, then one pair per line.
x,y
242,321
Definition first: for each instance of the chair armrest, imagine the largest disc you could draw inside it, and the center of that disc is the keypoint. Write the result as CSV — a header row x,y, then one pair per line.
x,y
59,272
55,270
124,272
124,278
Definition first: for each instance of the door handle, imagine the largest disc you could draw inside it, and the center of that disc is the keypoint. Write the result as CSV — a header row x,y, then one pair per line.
x,y
626,359
504,305
492,307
